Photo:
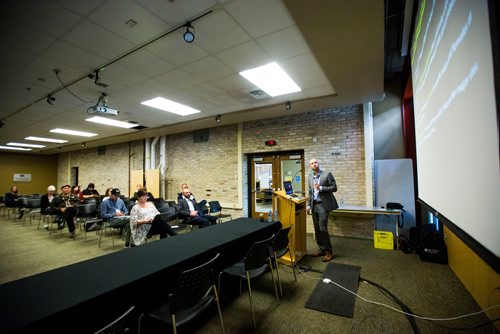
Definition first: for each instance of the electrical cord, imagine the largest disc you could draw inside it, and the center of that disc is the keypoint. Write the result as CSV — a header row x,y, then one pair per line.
x,y
67,88
402,305
329,281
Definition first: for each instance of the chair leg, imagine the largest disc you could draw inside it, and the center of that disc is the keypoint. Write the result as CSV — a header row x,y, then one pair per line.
x,y
274,282
218,309
293,264
275,259
250,297
174,325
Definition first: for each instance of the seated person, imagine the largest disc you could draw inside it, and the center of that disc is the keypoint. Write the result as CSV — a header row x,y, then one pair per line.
x,y
65,206
75,190
45,202
150,198
142,223
107,194
179,195
11,200
90,192
187,210
114,211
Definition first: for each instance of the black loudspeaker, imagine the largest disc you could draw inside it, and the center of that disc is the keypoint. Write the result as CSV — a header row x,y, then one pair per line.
x,y
200,136
431,246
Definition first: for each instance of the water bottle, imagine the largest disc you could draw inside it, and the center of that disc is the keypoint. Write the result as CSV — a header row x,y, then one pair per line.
x,y
270,216
276,215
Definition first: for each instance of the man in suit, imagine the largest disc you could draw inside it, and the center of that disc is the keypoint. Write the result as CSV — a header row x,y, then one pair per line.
x,y
187,209
322,185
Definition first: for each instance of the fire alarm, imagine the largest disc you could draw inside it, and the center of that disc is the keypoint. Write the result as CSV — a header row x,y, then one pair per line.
x,y
270,142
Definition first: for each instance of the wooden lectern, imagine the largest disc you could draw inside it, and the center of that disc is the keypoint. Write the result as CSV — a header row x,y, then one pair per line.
x,y
292,213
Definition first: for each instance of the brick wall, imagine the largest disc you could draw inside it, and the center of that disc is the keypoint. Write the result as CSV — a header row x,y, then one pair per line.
x,y
105,171
334,136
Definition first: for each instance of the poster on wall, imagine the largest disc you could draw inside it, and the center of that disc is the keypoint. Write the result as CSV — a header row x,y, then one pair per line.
x,y
22,178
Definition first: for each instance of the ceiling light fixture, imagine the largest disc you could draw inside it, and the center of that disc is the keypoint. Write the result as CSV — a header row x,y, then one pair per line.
x,y
50,99
74,132
188,34
170,106
83,145
288,106
48,140
25,145
14,148
111,122
271,79
218,119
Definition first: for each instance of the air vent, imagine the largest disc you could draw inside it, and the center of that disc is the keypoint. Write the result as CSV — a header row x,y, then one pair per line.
x,y
258,94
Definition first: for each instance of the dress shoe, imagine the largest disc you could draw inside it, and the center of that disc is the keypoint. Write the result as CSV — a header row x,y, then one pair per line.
x,y
319,252
60,226
328,257
72,235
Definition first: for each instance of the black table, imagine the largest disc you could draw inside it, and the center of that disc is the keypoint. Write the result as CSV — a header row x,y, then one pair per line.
x,y
81,297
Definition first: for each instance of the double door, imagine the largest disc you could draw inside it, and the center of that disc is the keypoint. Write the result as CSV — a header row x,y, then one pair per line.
x,y
268,172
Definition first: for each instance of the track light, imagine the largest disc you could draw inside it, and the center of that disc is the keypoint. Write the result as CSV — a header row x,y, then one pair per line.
x,y
288,106
188,34
218,119
83,145
50,99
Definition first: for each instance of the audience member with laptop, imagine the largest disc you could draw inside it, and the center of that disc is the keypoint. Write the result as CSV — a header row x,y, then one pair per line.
x,y
145,220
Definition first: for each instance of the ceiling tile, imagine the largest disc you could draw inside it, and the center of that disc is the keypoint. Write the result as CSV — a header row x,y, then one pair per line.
x,y
218,31
113,15
244,57
146,63
260,17
97,40
208,68
284,44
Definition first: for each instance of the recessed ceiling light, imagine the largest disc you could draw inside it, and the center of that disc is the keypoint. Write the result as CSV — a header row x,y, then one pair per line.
x,y
170,106
74,132
48,140
14,148
25,145
271,79
111,122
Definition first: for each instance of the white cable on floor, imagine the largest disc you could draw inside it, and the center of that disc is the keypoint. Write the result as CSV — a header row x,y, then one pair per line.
x,y
329,281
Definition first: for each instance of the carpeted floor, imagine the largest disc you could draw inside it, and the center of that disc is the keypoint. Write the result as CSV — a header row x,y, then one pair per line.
x,y
427,289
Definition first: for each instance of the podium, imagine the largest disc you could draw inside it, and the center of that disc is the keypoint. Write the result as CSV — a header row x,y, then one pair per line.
x,y
292,213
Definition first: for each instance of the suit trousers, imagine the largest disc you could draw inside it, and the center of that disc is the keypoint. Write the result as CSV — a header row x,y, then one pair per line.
x,y
320,221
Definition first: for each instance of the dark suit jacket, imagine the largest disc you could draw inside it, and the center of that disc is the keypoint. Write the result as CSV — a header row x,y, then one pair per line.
x,y
328,187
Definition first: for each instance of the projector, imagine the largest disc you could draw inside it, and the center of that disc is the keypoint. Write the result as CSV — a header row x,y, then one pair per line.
x,y
104,110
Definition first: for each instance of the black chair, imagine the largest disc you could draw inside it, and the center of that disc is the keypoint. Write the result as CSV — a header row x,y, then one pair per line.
x,y
34,205
22,204
90,200
193,293
254,264
121,325
171,204
201,207
87,215
169,214
279,247
160,203
216,210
